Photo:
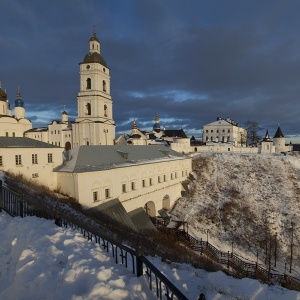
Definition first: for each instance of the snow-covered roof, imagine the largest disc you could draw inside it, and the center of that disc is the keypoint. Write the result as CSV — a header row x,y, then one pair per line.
x,y
96,158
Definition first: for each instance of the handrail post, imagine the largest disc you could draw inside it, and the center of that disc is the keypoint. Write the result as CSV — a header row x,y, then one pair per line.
x,y
58,215
1,196
139,262
21,205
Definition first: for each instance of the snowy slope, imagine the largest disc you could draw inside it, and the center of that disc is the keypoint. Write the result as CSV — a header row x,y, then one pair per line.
x,y
41,261
246,200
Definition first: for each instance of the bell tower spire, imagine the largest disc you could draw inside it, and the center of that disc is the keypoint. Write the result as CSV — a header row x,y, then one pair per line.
x,y
94,124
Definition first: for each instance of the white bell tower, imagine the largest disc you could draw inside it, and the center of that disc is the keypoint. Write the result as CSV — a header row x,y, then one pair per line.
x,y
95,124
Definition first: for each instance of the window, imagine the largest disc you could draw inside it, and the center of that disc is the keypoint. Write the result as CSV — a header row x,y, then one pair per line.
x,y
158,179
217,130
211,138
14,134
143,182
206,131
95,196
104,86
88,84
228,139
123,188
55,131
223,130
58,131
18,160
6,133
88,109
35,175
228,130
182,174
171,176
132,186
176,175
34,158
50,158
1,161
207,138
211,131
106,193
165,178
150,181
105,110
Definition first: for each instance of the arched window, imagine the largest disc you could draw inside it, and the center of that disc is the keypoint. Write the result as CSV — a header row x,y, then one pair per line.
x,y
105,110
88,109
88,84
104,86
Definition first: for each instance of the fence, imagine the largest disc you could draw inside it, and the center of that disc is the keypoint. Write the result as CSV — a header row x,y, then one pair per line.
x,y
235,265
15,205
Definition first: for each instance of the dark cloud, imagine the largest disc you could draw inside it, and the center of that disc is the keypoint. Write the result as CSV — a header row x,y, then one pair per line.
x,y
188,62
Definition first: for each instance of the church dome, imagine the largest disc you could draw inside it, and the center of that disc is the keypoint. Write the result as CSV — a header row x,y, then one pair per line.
x,y
156,126
3,95
94,57
19,102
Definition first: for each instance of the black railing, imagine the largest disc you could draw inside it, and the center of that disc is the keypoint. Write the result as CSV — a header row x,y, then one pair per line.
x,y
15,205
238,266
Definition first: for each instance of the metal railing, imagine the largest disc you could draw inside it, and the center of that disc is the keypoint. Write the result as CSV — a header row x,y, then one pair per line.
x,y
15,205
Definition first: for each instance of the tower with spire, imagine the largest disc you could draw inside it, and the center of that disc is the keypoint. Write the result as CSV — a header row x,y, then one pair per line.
x,y
94,124
19,108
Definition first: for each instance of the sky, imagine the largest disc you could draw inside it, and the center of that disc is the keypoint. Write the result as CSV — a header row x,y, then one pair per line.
x,y
39,260
189,61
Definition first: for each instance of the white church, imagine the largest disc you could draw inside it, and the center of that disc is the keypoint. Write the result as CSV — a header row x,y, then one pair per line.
x,y
80,159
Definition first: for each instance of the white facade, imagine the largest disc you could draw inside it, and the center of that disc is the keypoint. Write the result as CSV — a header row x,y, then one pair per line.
x,y
12,126
34,160
225,131
95,124
149,183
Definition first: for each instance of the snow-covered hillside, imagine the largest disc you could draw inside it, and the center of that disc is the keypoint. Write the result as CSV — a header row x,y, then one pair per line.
x,y
246,200
39,260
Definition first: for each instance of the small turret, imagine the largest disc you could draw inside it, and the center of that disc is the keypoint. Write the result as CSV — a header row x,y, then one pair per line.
x,y
64,115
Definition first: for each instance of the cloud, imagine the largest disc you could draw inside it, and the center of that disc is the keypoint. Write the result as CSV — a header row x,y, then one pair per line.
x,y
189,63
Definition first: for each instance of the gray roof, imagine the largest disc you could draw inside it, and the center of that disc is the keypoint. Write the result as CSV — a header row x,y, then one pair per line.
x,y
97,158
22,142
141,221
112,211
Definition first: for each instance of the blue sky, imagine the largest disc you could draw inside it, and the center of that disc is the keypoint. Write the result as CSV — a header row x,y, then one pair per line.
x,y
188,61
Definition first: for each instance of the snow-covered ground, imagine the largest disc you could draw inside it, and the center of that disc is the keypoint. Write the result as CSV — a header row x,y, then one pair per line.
x,y
247,203
39,260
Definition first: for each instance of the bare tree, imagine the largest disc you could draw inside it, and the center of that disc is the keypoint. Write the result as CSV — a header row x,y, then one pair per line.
x,y
252,128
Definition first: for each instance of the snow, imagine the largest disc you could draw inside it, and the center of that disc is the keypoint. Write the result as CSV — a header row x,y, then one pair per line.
x,y
39,260
246,200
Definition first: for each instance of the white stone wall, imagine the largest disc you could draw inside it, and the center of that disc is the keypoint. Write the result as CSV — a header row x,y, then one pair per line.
x,y
133,185
14,128
213,147
40,172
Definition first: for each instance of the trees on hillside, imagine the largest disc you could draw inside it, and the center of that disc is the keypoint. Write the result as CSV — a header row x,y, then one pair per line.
x,y
252,128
